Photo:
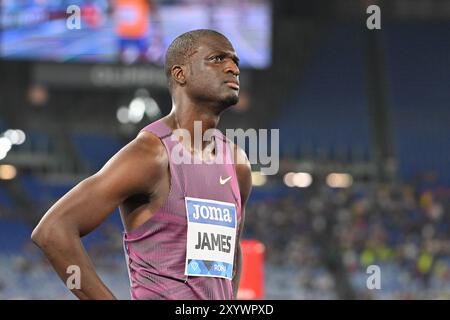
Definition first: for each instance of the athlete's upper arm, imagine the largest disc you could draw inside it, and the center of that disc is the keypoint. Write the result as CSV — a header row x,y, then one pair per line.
x,y
136,168
244,176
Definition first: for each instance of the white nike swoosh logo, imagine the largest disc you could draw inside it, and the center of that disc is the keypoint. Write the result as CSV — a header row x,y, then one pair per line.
x,y
223,181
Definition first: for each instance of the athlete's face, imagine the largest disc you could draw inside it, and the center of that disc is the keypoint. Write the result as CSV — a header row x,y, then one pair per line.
x,y
213,72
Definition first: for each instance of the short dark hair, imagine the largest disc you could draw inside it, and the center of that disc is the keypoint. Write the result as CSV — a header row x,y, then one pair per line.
x,y
182,47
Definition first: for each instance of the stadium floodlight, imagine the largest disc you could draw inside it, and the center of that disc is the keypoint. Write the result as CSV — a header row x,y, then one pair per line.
x,y
302,179
288,179
5,145
258,179
7,172
122,115
339,180
16,137
21,137
136,110
151,108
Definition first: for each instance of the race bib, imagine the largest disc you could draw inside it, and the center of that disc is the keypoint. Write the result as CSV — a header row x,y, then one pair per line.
x,y
211,238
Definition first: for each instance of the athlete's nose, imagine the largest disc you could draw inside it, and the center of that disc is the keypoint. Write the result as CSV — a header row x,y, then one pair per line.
x,y
232,67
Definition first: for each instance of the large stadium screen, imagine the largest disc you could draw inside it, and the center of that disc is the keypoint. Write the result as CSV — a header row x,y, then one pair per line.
x,y
128,31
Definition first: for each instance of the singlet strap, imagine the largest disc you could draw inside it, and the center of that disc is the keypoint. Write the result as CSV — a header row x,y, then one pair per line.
x,y
159,128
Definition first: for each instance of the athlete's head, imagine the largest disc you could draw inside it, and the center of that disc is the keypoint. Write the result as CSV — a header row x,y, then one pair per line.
x,y
204,64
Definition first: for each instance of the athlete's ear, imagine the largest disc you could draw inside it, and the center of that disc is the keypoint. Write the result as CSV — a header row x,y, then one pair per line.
x,y
179,74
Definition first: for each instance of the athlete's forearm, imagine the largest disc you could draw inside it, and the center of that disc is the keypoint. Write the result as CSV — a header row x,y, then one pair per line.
x,y
65,249
237,275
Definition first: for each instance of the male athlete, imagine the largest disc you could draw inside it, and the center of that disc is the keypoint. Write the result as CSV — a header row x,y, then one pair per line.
x,y
183,221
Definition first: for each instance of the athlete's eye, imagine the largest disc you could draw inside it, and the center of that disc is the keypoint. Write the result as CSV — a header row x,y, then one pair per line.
x,y
217,58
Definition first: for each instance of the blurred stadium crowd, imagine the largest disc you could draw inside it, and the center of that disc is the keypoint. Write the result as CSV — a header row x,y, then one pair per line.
x,y
336,234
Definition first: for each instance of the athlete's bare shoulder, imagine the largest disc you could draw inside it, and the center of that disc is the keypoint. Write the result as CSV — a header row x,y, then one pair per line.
x,y
142,162
148,144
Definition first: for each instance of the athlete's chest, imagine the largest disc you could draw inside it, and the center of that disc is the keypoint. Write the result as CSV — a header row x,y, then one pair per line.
x,y
216,182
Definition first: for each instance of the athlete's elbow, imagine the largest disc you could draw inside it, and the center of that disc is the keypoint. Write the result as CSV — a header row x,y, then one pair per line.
x,y
42,235
47,235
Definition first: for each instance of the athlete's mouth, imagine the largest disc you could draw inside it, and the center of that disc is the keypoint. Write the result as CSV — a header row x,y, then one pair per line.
x,y
233,84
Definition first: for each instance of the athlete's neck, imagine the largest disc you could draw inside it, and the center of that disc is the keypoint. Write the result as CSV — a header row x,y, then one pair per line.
x,y
185,112
184,116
